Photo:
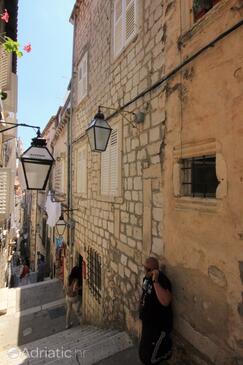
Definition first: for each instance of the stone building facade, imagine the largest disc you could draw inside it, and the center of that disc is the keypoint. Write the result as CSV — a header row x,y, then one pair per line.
x,y
169,186
39,235
59,188
8,143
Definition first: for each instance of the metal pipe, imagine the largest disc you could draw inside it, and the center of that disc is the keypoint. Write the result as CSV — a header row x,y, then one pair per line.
x,y
171,73
178,68
69,144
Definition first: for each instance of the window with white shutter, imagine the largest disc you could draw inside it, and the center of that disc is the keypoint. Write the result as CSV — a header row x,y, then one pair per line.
x,y
10,104
83,77
60,175
125,23
81,170
111,165
5,192
5,67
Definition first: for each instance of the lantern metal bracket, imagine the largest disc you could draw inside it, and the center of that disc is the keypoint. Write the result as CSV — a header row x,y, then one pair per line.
x,y
138,117
15,125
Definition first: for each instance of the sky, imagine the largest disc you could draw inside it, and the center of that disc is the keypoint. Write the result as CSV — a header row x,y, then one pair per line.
x,y
45,72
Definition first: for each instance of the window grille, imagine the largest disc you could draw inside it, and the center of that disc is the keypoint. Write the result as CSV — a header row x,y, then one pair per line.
x,y
199,177
94,273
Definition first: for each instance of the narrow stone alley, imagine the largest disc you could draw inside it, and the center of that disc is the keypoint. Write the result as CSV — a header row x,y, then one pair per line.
x,y
32,330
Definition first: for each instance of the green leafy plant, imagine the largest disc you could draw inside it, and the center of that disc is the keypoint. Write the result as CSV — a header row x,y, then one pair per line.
x,y
9,44
12,46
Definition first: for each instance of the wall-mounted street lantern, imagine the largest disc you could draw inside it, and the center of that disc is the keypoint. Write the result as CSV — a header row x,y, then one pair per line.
x,y
36,161
61,226
99,131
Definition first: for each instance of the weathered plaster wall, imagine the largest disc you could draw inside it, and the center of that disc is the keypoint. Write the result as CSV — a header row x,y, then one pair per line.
x,y
203,242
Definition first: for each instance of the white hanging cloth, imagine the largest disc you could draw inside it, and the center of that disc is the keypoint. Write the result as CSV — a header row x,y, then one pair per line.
x,y
53,210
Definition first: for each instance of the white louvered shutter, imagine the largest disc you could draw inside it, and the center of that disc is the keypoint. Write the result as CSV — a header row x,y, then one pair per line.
x,y
56,175
114,162
110,166
80,81
130,19
118,26
10,104
82,170
85,74
62,175
105,171
5,192
83,77
5,69
78,171
59,176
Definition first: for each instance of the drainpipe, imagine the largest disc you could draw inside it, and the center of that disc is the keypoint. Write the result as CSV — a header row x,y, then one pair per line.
x,y
69,174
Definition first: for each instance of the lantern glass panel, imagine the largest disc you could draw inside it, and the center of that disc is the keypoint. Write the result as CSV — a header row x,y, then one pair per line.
x,y
91,136
101,137
36,174
61,226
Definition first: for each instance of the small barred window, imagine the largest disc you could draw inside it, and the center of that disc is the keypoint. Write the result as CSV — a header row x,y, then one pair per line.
x,y
199,177
94,273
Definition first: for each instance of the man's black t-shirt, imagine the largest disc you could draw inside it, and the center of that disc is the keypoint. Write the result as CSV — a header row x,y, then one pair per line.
x,y
152,312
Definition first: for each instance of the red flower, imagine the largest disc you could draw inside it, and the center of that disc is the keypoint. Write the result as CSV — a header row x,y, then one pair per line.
x,y
27,48
5,16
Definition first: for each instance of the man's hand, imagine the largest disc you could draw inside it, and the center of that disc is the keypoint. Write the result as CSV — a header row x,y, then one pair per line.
x,y
155,275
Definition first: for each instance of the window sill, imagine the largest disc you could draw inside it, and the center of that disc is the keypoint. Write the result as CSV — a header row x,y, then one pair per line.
x,y
110,199
206,205
124,48
60,195
80,195
212,16
80,102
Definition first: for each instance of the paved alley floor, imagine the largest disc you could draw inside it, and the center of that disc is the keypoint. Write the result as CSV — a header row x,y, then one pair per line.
x,y
84,345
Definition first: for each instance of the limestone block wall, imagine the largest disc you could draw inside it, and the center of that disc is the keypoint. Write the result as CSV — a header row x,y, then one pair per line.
x,y
124,229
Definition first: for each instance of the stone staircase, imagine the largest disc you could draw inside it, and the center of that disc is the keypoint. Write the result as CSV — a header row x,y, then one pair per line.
x,y
83,345
31,312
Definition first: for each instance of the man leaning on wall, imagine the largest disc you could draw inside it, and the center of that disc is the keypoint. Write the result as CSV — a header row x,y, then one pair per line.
x,y
155,312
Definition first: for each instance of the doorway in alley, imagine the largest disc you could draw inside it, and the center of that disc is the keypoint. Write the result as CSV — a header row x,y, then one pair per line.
x,y
80,264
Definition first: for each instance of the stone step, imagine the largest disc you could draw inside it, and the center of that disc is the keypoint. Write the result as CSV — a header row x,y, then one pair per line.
x,y
80,345
33,311
32,296
32,326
